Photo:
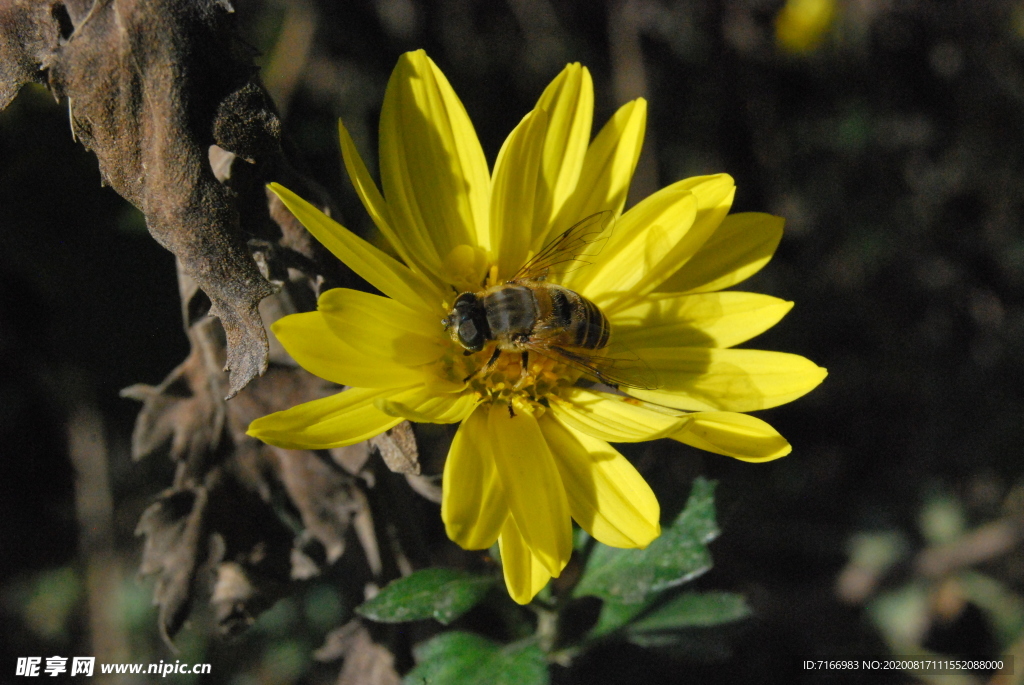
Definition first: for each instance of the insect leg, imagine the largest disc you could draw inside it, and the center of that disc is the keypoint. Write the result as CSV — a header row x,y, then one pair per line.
x,y
485,367
525,361
524,374
494,358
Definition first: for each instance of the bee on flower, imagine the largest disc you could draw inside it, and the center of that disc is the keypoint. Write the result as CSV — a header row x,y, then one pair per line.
x,y
527,307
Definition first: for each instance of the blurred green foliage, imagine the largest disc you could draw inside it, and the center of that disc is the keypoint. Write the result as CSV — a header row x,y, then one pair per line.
x,y
639,605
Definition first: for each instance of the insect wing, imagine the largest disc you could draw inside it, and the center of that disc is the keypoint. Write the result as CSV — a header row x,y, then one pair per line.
x,y
623,369
568,251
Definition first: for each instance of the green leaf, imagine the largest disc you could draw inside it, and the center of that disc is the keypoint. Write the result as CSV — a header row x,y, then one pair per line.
x,y
629,576
580,538
613,616
688,626
707,645
457,658
439,593
688,610
693,610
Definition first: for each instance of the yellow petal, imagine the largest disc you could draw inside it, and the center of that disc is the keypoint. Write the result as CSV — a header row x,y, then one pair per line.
x,y
312,343
425,405
433,169
640,240
383,272
704,320
532,485
607,496
465,268
700,379
378,325
516,177
375,204
653,239
569,104
607,169
612,418
714,195
538,167
525,575
336,421
473,505
743,244
734,435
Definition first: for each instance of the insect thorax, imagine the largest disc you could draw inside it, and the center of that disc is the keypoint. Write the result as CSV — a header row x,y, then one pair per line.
x,y
512,312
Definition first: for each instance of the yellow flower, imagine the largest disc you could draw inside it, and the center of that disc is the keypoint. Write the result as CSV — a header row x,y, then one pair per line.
x,y
532,450
801,25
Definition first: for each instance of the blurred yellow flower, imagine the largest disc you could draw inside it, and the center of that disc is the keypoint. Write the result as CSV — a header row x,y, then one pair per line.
x,y
801,25
532,450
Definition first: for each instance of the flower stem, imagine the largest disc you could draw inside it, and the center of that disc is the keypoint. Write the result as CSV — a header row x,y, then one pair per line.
x,y
547,628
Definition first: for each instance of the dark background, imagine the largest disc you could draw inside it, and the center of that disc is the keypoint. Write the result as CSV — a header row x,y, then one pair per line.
x,y
895,150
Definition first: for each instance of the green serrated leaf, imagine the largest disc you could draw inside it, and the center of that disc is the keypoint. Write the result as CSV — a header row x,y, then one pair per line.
x,y
438,593
679,555
694,610
457,658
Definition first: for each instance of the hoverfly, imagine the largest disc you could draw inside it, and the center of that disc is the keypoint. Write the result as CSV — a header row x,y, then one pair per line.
x,y
527,314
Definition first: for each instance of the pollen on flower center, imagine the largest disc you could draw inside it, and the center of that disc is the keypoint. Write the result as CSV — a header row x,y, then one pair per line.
x,y
507,379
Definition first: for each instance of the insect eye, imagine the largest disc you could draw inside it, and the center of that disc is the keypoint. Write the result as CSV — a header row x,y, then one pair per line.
x,y
469,336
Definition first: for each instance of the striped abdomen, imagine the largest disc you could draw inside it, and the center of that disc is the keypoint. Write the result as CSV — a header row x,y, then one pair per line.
x,y
577,321
528,313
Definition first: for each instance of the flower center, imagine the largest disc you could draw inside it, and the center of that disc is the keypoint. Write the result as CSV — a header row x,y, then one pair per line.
x,y
524,377
506,379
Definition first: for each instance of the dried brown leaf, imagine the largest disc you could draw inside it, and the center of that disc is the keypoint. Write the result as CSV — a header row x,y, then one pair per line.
x,y
150,86
174,530
240,594
366,662
327,498
184,413
169,101
29,33
397,448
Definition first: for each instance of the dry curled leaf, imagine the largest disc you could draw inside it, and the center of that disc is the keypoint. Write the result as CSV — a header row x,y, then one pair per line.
x,y
244,555
173,526
397,448
169,101
150,86
217,539
366,662
184,413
